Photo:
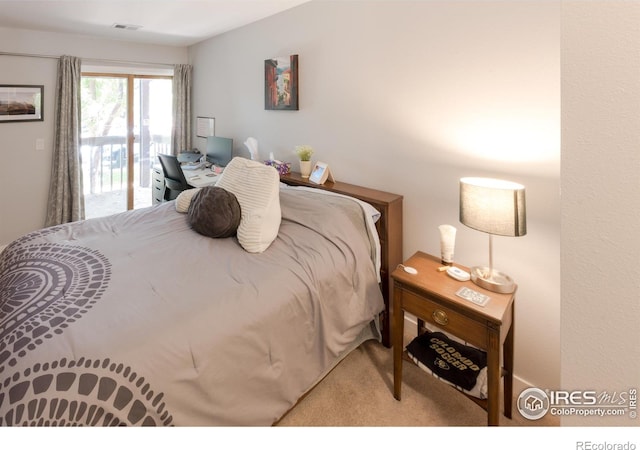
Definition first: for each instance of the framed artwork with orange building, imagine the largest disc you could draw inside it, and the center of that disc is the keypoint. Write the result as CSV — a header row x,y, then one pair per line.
x,y
281,83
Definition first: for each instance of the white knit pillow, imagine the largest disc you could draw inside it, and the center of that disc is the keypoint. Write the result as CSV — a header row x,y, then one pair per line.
x,y
183,200
256,186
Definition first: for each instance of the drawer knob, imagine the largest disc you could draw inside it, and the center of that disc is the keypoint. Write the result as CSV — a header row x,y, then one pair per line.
x,y
440,317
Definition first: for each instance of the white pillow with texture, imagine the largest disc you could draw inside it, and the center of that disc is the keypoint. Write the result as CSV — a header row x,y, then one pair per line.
x,y
183,200
256,186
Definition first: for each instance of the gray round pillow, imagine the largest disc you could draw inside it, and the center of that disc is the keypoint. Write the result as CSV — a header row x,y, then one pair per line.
x,y
214,212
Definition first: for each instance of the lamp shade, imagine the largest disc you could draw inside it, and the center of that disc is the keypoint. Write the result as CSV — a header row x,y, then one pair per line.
x,y
493,206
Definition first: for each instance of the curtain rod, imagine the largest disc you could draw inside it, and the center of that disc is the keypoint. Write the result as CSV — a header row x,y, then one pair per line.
x,y
89,60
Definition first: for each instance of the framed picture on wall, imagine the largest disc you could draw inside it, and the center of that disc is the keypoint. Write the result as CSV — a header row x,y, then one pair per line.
x,y
21,103
281,83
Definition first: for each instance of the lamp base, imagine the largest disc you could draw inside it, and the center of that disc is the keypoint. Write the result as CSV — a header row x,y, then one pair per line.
x,y
492,280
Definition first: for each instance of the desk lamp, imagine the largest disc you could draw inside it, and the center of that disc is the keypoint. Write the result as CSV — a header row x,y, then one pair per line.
x,y
494,207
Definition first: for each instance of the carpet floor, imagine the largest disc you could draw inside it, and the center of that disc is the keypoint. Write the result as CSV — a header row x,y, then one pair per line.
x,y
359,393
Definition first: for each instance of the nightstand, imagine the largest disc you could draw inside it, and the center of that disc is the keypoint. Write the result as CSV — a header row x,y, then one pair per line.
x,y
430,295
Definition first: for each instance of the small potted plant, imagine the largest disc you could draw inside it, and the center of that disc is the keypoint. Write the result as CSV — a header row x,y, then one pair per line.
x,y
304,153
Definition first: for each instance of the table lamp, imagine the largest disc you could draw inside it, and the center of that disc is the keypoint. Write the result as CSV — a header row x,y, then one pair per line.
x,y
494,207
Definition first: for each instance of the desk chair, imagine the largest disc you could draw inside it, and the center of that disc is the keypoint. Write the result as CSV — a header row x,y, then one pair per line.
x,y
174,179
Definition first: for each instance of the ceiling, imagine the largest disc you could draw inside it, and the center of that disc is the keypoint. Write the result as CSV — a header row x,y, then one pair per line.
x,y
164,22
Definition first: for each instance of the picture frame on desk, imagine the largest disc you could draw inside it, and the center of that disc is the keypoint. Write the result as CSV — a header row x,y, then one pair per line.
x,y
320,173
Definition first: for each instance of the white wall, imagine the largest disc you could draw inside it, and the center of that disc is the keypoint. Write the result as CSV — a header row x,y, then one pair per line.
x,y
408,97
25,172
601,196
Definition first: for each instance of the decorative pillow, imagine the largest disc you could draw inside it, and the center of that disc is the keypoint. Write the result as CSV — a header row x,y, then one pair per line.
x,y
214,212
256,187
183,200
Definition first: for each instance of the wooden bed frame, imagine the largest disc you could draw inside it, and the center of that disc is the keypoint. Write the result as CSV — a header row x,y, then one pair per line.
x,y
389,230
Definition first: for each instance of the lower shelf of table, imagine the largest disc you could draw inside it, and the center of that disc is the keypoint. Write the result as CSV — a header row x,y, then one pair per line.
x,y
482,402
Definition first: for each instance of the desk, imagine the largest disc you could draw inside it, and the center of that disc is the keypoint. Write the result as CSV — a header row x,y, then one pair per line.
x,y
195,178
200,177
430,296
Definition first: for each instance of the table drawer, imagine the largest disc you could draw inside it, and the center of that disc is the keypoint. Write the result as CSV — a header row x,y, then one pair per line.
x,y
474,331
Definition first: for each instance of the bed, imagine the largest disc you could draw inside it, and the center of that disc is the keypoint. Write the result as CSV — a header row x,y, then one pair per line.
x,y
136,319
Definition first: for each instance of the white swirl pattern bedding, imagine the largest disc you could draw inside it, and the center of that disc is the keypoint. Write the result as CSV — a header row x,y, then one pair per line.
x,y
135,319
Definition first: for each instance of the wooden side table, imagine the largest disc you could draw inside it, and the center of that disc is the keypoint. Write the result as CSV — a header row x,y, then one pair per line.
x,y
430,295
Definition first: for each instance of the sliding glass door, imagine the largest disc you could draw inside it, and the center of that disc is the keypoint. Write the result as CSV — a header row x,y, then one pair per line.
x,y
126,122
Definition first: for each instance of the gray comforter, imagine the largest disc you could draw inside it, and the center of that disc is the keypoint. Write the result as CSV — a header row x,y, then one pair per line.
x,y
137,319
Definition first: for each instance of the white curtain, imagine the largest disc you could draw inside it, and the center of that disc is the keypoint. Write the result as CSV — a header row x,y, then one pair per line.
x,y
66,200
181,133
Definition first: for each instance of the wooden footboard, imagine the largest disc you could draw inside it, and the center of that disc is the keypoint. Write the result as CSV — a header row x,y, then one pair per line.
x,y
389,230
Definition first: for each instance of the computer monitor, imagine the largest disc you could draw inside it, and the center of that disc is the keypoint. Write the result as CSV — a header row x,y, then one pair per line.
x,y
219,150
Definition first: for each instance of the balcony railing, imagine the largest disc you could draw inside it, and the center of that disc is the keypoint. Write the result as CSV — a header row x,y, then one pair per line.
x,y
104,161
104,171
